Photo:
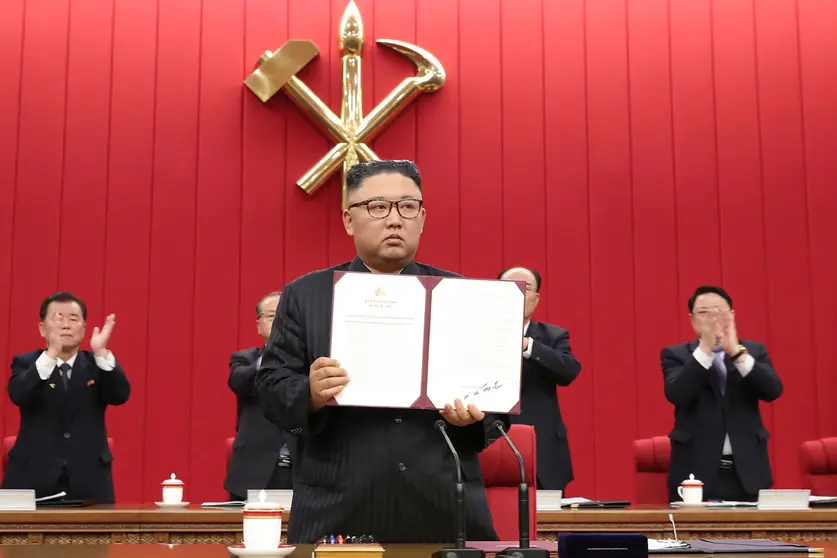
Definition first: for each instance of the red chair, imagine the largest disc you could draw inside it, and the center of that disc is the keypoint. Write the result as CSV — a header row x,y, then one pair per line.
x,y
652,456
501,474
229,444
9,442
818,464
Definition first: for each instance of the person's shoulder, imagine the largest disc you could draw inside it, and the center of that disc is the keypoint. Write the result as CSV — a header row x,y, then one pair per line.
x,y
754,346
246,353
425,269
316,279
679,348
28,357
552,331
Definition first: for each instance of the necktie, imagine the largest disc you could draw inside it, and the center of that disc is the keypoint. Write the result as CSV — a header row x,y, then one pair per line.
x,y
720,369
64,370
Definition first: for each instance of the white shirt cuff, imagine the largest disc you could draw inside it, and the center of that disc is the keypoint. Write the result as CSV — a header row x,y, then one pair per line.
x,y
45,365
704,359
259,363
528,352
746,366
107,363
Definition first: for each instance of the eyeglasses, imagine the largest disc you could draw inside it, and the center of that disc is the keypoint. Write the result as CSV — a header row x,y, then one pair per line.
x,y
71,318
408,208
267,316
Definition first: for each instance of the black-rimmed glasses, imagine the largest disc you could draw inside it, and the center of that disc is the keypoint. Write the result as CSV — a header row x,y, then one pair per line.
x,y
408,208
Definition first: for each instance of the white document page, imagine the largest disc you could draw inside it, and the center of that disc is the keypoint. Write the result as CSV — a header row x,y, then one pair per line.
x,y
377,336
476,344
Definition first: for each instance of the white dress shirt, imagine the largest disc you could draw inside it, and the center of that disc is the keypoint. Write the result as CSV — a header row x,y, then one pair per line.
x,y
46,365
528,352
744,368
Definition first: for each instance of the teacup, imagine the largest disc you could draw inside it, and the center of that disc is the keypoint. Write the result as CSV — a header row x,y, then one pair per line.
x,y
691,490
172,490
262,524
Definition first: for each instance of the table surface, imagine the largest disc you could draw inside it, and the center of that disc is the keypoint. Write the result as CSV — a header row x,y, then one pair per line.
x,y
151,514
220,551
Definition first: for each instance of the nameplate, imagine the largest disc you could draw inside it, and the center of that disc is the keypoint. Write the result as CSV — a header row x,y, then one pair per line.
x,y
281,497
784,499
599,545
373,550
17,500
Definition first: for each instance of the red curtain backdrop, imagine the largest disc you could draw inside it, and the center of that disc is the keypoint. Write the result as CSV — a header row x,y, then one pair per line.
x,y
628,150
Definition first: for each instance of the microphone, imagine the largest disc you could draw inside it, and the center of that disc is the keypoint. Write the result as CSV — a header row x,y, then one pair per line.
x,y
523,550
459,549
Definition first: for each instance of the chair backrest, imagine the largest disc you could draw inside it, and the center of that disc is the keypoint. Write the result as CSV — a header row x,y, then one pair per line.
x,y
652,456
501,474
818,465
9,442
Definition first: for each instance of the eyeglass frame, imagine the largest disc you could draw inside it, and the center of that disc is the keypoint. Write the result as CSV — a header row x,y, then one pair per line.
x,y
391,204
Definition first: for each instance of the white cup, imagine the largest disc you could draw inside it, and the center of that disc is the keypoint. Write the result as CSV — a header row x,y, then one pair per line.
x,y
172,490
691,491
262,524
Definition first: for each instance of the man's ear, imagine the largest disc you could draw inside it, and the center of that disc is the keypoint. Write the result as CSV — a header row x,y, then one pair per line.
x,y
347,222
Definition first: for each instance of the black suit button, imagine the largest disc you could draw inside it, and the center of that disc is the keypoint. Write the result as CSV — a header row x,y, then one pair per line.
x,y
402,467
399,420
66,434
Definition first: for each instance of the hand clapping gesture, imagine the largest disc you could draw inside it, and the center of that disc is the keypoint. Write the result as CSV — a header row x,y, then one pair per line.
x,y
100,337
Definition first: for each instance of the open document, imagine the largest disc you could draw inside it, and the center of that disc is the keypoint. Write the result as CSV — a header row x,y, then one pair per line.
x,y
423,341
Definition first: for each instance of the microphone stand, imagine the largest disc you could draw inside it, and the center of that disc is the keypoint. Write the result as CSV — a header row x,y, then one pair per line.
x,y
523,550
459,550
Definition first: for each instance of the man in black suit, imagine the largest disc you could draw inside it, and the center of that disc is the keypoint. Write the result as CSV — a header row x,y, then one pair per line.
x,y
62,394
715,384
381,472
261,456
548,362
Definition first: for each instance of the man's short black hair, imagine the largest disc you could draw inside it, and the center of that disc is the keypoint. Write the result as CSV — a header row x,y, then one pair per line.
x,y
357,173
261,301
530,270
708,289
62,297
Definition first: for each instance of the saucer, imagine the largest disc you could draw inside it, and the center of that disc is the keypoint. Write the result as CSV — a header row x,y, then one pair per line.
x,y
281,550
689,504
172,506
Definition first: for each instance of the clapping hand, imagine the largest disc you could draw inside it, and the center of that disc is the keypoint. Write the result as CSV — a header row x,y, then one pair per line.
x,y
99,339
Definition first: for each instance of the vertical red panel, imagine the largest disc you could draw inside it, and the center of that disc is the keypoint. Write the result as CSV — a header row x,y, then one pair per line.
x,y
659,311
306,234
786,233
11,48
818,54
695,157
480,139
87,135
437,129
567,272
128,244
37,213
739,169
611,244
168,446
395,20
264,185
218,228
522,60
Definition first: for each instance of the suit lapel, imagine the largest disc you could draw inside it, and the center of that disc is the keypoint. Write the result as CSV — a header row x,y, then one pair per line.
x,y
78,382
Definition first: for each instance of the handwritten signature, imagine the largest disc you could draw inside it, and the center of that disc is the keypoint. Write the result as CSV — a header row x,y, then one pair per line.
x,y
482,389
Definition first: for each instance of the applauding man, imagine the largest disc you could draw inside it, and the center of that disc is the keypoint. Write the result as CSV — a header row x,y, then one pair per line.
x,y
715,384
62,393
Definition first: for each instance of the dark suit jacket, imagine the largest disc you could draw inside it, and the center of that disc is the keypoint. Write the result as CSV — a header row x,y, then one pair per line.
x,y
383,472
257,441
64,428
703,416
550,364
